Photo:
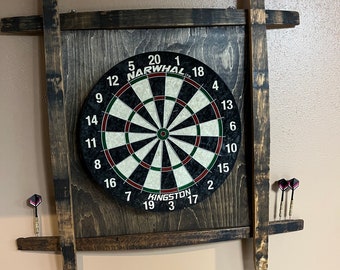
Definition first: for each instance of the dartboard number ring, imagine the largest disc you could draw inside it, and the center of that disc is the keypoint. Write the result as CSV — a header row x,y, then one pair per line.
x,y
160,131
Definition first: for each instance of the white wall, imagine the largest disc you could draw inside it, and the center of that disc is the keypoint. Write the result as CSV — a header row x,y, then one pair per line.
x,y
305,131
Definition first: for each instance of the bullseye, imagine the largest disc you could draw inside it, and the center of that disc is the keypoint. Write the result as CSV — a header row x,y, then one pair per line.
x,y
163,134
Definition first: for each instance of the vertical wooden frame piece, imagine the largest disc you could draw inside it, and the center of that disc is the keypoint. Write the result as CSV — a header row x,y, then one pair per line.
x,y
259,91
58,132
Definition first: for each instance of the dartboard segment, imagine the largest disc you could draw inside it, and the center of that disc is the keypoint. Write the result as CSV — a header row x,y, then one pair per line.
x,y
173,86
160,131
142,88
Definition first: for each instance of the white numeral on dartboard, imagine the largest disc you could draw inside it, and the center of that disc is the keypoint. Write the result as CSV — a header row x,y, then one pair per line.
x,y
91,143
227,104
154,59
113,80
210,185
177,60
171,205
149,205
128,195
97,164
231,148
193,199
232,126
99,98
215,85
131,65
110,183
91,120
223,167
198,71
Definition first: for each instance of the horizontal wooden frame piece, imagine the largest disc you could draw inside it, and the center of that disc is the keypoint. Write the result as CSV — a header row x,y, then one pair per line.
x,y
155,240
147,18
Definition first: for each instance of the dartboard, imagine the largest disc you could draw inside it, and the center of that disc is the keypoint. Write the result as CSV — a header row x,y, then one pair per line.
x,y
160,131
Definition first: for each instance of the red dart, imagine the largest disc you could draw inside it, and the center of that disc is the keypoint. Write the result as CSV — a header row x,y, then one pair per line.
x,y
283,185
293,184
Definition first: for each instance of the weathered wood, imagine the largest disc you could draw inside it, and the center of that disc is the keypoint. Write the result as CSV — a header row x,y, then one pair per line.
x,y
46,243
149,18
153,18
155,240
22,25
259,92
281,19
58,133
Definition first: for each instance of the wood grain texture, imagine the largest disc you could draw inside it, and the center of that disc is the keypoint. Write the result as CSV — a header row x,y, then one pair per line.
x,y
95,52
281,19
58,133
155,240
259,92
155,18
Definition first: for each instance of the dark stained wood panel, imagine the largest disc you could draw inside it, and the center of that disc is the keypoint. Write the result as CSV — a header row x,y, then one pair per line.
x,y
88,55
146,18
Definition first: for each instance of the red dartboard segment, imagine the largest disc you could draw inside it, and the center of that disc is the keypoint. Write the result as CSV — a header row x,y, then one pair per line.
x,y
104,122
197,141
219,145
217,112
186,160
134,184
129,147
193,83
201,176
145,165
195,119
138,107
122,90
181,102
109,158
160,74
159,98
166,169
172,190
127,127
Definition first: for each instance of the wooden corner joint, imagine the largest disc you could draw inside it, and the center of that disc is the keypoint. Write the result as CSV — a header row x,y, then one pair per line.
x,y
261,254
263,264
257,16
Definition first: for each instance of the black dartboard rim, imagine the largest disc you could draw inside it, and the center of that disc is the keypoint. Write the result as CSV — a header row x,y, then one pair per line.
x,y
160,131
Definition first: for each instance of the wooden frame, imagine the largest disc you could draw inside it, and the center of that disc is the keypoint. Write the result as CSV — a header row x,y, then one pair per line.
x,y
257,20
127,19
152,240
259,88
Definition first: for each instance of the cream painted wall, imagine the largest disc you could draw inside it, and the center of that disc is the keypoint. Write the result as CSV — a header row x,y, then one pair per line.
x,y
305,131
